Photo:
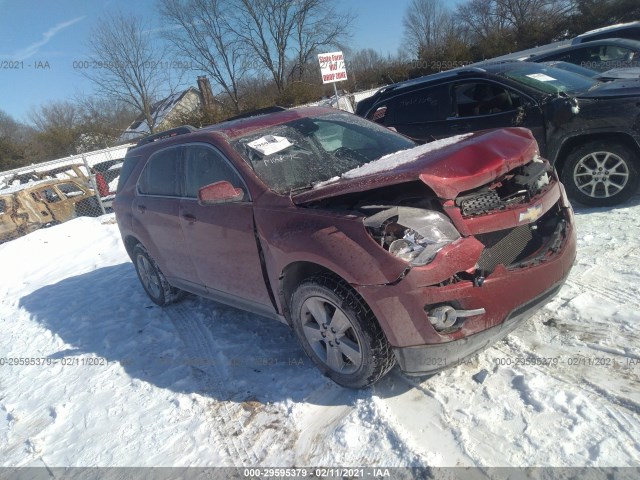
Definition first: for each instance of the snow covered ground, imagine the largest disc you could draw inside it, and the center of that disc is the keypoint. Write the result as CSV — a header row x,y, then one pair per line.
x,y
113,380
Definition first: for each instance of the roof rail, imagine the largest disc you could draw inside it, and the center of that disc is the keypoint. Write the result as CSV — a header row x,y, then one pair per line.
x,y
166,134
255,113
432,76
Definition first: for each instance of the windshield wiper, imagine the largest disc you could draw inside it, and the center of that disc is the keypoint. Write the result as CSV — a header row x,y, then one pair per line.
x,y
302,188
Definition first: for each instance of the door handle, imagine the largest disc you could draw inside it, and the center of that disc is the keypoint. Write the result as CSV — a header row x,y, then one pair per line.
x,y
142,208
189,218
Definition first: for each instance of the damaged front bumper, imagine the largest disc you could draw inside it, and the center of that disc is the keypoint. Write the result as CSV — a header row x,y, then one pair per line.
x,y
508,295
430,359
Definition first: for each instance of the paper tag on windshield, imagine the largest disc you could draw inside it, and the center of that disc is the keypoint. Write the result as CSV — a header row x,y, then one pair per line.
x,y
270,144
541,76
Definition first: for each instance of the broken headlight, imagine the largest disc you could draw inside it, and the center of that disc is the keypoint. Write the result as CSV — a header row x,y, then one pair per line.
x,y
412,234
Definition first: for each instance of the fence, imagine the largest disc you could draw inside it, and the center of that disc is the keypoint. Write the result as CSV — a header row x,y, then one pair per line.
x,y
49,193
45,194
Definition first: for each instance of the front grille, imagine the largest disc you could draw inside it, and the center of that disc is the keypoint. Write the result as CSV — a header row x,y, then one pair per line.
x,y
480,203
503,247
516,188
522,244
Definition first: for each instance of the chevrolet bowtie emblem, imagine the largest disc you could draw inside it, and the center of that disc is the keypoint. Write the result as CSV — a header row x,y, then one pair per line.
x,y
531,214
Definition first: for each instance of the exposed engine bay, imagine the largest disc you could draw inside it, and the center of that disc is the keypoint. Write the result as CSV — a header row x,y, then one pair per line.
x,y
517,187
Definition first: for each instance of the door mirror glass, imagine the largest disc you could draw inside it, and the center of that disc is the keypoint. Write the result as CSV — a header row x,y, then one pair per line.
x,y
219,192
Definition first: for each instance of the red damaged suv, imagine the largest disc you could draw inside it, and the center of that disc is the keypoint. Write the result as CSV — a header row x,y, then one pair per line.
x,y
375,250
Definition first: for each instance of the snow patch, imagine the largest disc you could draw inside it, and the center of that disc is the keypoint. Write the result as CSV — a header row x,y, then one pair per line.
x,y
202,384
394,160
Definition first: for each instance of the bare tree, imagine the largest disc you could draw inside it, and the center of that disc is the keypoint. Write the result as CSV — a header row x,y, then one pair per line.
x,y
482,17
129,65
58,128
317,24
283,34
14,138
501,26
205,38
533,21
426,24
491,33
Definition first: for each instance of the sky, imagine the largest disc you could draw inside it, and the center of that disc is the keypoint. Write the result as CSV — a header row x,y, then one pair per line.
x,y
43,44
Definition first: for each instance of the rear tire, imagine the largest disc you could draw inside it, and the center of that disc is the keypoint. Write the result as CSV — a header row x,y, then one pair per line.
x,y
153,280
601,174
339,333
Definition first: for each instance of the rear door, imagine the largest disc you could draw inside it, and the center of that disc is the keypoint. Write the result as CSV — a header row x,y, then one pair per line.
x,y
221,238
155,209
419,114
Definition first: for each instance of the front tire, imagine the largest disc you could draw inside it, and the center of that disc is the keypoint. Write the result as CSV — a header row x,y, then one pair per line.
x,y
153,280
339,333
601,174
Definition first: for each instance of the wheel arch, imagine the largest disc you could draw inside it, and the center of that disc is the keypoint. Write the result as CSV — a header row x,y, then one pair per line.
x,y
130,243
294,274
574,142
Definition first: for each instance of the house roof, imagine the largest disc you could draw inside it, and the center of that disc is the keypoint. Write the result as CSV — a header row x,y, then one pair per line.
x,y
159,111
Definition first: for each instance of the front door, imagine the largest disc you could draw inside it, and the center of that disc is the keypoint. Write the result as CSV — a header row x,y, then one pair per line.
x,y
221,238
481,104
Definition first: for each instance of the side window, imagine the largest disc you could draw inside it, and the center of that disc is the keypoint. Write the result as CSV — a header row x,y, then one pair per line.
x,y
70,189
614,56
50,195
3,206
483,98
130,162
588,57
204,166
161,174
426,105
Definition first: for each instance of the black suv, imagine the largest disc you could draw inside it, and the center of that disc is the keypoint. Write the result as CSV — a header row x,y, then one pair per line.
x,y
600,55
588,129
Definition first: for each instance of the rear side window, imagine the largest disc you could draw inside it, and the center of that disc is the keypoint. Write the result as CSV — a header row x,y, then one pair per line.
x,y
50,195
70,189
161,174
425,105
129,164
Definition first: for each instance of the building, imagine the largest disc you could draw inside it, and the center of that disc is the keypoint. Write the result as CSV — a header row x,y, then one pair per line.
x,y
163,113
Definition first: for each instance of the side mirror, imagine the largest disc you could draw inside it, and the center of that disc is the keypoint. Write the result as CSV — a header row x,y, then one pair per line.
x,y
562,108
219,192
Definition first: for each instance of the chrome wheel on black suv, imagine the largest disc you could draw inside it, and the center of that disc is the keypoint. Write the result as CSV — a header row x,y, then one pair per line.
x,y
601,174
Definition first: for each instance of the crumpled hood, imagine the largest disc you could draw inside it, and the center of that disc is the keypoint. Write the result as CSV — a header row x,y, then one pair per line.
x,y
448,168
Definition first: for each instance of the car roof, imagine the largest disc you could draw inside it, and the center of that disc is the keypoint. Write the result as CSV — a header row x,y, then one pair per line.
x,y
244,126
431,78
38,183
230,129
611,29
620,42
557,47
